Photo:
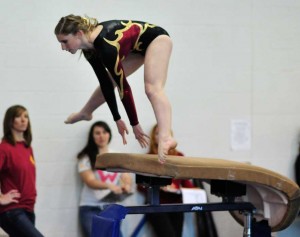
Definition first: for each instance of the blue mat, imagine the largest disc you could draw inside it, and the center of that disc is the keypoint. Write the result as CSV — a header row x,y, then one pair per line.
x,y
107,223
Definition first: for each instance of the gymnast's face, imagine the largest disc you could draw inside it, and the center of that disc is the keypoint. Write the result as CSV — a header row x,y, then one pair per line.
x,y
101,136
70,42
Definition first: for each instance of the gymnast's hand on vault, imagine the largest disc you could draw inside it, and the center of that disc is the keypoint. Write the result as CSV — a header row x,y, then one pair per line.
x,y
142,138
122,129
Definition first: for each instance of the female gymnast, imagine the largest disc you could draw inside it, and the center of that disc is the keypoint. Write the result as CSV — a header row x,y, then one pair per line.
x,y
115,49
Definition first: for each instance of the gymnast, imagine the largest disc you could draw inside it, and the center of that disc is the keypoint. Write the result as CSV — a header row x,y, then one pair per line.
x,y
116,49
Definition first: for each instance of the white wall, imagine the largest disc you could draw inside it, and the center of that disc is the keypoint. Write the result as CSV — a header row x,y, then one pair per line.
x,y
232,59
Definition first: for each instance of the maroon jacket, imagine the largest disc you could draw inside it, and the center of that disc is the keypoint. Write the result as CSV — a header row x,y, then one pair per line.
x,y
17,171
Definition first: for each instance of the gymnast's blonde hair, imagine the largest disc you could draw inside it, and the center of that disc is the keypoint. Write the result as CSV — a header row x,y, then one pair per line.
x,y
71,24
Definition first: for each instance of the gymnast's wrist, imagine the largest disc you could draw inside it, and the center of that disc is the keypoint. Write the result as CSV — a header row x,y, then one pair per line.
x,y
134,123
116,117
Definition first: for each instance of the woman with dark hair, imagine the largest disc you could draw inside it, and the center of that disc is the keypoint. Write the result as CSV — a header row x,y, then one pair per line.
x,y
99,187
17,175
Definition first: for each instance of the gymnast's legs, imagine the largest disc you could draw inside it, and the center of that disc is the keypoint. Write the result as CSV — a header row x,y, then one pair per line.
x,y
156,63
156,67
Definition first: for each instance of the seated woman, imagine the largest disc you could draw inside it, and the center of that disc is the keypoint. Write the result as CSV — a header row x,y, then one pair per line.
x,y
99,187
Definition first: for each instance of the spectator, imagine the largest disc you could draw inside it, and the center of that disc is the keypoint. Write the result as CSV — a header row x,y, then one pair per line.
x,y
17,175
99,187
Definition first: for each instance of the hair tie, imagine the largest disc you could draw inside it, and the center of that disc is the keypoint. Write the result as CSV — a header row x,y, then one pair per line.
x,y
85,20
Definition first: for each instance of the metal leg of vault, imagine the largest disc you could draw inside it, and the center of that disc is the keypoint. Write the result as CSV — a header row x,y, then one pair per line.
x,y
247,223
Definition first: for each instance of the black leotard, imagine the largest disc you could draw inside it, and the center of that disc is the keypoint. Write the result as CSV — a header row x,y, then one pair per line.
x,y
116,40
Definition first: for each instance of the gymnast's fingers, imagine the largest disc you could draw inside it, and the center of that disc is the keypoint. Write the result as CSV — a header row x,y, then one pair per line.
x,y
122,130
143,141
124,138
145,135
146,139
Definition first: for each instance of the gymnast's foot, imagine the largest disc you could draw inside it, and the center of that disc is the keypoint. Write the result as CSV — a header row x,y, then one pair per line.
x,y
76,117
163,148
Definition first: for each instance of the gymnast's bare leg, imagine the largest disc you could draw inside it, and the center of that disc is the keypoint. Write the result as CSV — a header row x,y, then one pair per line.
x,y
156,66
130,65
96,100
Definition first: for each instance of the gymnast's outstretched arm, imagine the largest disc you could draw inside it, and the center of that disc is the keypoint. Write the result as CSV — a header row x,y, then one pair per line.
x,y
95,101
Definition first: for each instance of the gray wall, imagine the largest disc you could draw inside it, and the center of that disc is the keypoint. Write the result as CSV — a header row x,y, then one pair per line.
x,y
232,59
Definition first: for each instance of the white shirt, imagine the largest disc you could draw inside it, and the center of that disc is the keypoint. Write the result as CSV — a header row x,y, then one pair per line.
x,y
92,197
